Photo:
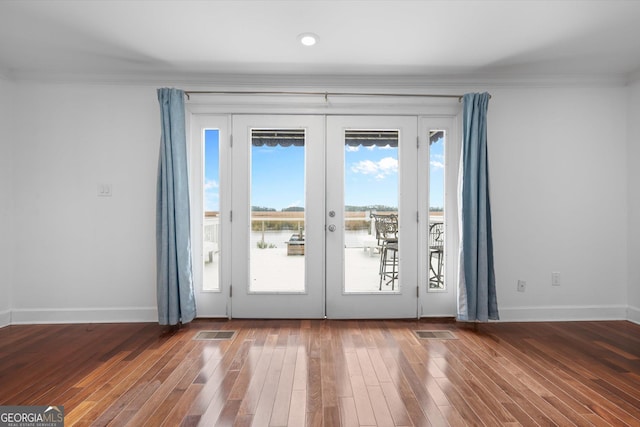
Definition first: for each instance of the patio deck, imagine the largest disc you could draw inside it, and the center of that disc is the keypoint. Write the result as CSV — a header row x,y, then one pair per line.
x,y
269,263
361,270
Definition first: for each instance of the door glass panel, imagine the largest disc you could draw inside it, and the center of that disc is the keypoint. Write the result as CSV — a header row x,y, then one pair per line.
x,y
371,211
436,210
277,238
211,203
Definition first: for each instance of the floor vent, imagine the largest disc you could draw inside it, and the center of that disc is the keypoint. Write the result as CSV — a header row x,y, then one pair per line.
x,y
214,335
435,335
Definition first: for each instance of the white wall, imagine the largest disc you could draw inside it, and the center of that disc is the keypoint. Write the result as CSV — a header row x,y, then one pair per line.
x,y
6,200
633,178
80,257
558,161
558,181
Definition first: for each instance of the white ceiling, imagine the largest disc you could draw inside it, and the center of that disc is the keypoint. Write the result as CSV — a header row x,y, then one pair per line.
x,y
191,39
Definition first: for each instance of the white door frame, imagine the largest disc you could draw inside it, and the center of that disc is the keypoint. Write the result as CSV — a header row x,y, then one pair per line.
x,y
439,303
431,304
209,303
404,302
250,304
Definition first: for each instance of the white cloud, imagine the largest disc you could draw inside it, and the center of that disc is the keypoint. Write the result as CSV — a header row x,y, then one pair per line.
x,y
210,185
436,165
352,149
382,168
388,164
366,167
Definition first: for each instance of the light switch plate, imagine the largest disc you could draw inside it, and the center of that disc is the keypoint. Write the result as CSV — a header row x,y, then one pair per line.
x,y
104,190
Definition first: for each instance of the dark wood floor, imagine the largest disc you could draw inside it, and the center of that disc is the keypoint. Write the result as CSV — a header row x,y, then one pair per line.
x,y
327,373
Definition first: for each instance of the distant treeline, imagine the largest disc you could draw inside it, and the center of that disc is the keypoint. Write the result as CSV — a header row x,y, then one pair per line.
x,y
377,208
289,209
348,208
268,219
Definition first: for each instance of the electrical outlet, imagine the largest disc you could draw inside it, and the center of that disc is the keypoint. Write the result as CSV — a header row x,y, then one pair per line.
x,y
522,285
555,278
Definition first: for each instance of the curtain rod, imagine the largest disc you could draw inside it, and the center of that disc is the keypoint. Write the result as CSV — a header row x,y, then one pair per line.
x,y
325,94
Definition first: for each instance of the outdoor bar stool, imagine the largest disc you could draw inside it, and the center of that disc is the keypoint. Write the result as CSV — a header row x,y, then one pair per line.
x,y
387,237
389,265
436,250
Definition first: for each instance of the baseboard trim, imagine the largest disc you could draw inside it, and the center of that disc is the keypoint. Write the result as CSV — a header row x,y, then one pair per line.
x,y
633,314
563,313
5,318
150,314
84,315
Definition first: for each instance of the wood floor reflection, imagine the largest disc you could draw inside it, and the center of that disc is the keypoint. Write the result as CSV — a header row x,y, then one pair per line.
x,y
327,373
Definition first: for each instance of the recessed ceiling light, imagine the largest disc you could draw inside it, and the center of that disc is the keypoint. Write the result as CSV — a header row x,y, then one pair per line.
x,y
308,39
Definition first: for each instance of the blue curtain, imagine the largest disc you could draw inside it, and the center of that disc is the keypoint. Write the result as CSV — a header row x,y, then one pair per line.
x,y
176,301
477,286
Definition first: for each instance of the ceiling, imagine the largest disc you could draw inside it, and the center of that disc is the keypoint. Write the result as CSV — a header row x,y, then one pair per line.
x,y
184,39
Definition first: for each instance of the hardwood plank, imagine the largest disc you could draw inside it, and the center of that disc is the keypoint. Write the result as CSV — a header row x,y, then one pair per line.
x,y
575,418
73,417
520,415
538,369
379,368
36,381
366,367
314,390
379,404
331,416
219,400
181,407
215,391
301,371
264,408
228,414
284,391
326,373
162,386
361,398
475,375
420,405
527,392
298,408
342,383
348,413
466,403
251,395
117,382
315,419
579,378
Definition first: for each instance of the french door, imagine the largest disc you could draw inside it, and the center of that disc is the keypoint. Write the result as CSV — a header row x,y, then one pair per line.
x,y
308,196
371,216
277,222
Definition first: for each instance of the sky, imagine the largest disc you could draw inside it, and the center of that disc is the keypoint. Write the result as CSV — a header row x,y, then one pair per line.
x,y
436,174
277,174
211,170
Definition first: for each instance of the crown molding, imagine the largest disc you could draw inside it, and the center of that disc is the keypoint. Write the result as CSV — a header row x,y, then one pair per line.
x,y
409,83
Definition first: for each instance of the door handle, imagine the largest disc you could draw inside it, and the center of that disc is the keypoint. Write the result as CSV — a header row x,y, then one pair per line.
x,y
332,228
